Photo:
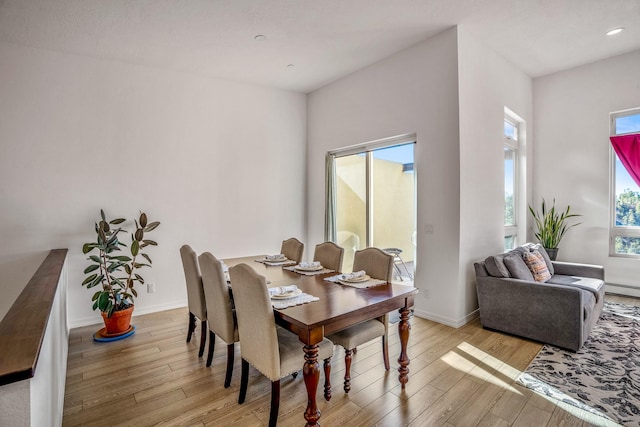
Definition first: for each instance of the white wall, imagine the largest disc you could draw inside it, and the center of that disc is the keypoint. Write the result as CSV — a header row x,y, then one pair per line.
x,y
413,91
487,83
571,155
220,164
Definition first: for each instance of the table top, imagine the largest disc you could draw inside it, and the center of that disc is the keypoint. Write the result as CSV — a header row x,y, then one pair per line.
x,y
339,306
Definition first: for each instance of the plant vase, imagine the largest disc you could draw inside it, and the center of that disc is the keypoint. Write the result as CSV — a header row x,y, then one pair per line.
x,y
552,252
119,322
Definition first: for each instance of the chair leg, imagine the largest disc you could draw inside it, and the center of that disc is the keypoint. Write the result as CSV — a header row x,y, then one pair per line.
x,y
244,380
327,379
212,341
275,403
385,352
347,370
192,326
227,377
203,337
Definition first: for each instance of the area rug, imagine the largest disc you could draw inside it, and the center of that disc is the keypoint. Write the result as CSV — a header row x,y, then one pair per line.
x,y
604,376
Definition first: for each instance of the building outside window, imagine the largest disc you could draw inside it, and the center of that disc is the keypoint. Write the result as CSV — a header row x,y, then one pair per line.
x,y
624,236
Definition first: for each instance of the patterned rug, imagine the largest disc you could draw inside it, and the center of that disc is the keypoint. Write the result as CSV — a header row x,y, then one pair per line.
x,y
604,376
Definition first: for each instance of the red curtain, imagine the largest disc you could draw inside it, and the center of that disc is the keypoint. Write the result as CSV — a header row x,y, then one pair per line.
x,y
627,148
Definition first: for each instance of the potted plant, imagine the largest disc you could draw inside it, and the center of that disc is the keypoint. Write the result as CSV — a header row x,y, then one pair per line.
x,y
116,272
551,226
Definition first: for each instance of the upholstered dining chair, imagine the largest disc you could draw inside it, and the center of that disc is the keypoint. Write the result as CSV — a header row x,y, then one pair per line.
x,y
292,248
329,255
378,265
272,350
195,295
220,313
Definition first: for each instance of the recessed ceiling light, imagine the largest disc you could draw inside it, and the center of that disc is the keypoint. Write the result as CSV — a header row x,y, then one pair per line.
x,y
291,66
615,31
260,37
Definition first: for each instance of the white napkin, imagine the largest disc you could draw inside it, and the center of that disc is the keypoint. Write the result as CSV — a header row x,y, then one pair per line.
x,y
314,264
350,276
278,257
281,290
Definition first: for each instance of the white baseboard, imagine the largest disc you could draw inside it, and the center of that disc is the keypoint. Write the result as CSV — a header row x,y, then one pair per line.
x,y
626,290
445,320
96,320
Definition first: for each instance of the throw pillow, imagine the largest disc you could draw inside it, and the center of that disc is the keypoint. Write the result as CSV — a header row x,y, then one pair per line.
x,y
517,267
537,265
495,266
537,246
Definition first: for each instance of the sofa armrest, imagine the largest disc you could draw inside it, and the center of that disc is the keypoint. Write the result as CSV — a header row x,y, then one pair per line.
x,y
580,270
544,312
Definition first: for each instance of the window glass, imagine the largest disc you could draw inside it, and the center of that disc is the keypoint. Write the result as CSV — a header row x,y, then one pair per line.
x,y
625,230
510,130
509,186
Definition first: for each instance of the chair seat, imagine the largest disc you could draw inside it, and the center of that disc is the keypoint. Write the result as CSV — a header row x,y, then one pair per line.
x,y
359,334
292,354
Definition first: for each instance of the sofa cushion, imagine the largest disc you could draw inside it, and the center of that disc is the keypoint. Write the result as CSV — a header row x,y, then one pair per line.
x,y
535,263
517,268
495,266
538,247
595,286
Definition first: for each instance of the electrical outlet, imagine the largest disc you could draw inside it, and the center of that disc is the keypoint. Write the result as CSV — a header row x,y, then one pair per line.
x,y
151,288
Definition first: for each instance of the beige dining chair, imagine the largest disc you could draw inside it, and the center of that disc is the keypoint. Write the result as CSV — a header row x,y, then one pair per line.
x,y
329,255
378,265
272,350
292,248
220,313
195,295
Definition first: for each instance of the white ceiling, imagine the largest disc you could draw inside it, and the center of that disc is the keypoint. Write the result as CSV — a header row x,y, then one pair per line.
x,y
324,39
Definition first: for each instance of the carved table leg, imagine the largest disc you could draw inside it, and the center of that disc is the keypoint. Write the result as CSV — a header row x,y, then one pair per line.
x,y
311,374
403,360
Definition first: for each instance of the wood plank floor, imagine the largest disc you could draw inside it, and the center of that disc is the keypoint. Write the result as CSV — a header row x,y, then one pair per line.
x,y
458,377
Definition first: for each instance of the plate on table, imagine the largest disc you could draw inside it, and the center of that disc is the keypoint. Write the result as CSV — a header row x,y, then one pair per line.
x,y
282,259
358,279
287,295
316,268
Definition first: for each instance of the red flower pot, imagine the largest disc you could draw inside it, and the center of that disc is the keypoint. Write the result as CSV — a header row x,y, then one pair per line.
x,y
119,322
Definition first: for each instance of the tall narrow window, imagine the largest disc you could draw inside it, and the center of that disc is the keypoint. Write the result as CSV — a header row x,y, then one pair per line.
x,y
624,236
374,203
510,183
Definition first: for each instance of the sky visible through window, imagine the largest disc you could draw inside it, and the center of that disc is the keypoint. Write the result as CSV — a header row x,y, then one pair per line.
x,y
626,124
398,153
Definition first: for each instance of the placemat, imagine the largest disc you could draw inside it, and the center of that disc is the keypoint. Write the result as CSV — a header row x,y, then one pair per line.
x,y
276,263
309,273
291,302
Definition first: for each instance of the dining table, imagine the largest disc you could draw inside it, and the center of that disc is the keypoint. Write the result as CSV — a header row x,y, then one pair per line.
x,y
338,307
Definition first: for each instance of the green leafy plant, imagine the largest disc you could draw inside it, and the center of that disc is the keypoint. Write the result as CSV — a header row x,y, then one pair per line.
x,y
551,224
113,270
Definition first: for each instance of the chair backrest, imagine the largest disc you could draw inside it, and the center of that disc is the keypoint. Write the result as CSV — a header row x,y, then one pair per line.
x,y
292,248
195,292
256,323
329,255
216,293
375,262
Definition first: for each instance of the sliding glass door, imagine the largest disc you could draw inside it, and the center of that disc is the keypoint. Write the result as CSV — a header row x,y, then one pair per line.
x,y
375,202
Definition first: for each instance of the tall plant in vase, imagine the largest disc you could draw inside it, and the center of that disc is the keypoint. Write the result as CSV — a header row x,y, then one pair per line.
x,y
551,226
115,272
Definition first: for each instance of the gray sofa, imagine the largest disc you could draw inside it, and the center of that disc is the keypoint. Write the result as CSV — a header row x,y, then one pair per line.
x,y
560,311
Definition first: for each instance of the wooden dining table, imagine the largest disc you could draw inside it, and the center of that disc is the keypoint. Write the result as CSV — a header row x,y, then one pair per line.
x,y
339,306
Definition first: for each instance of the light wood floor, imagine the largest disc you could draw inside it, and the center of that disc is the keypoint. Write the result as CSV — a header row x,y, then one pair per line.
x,y
458,377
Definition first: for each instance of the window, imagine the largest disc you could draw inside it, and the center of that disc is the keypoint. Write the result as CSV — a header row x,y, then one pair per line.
x,y
624,237
373,201
511,131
